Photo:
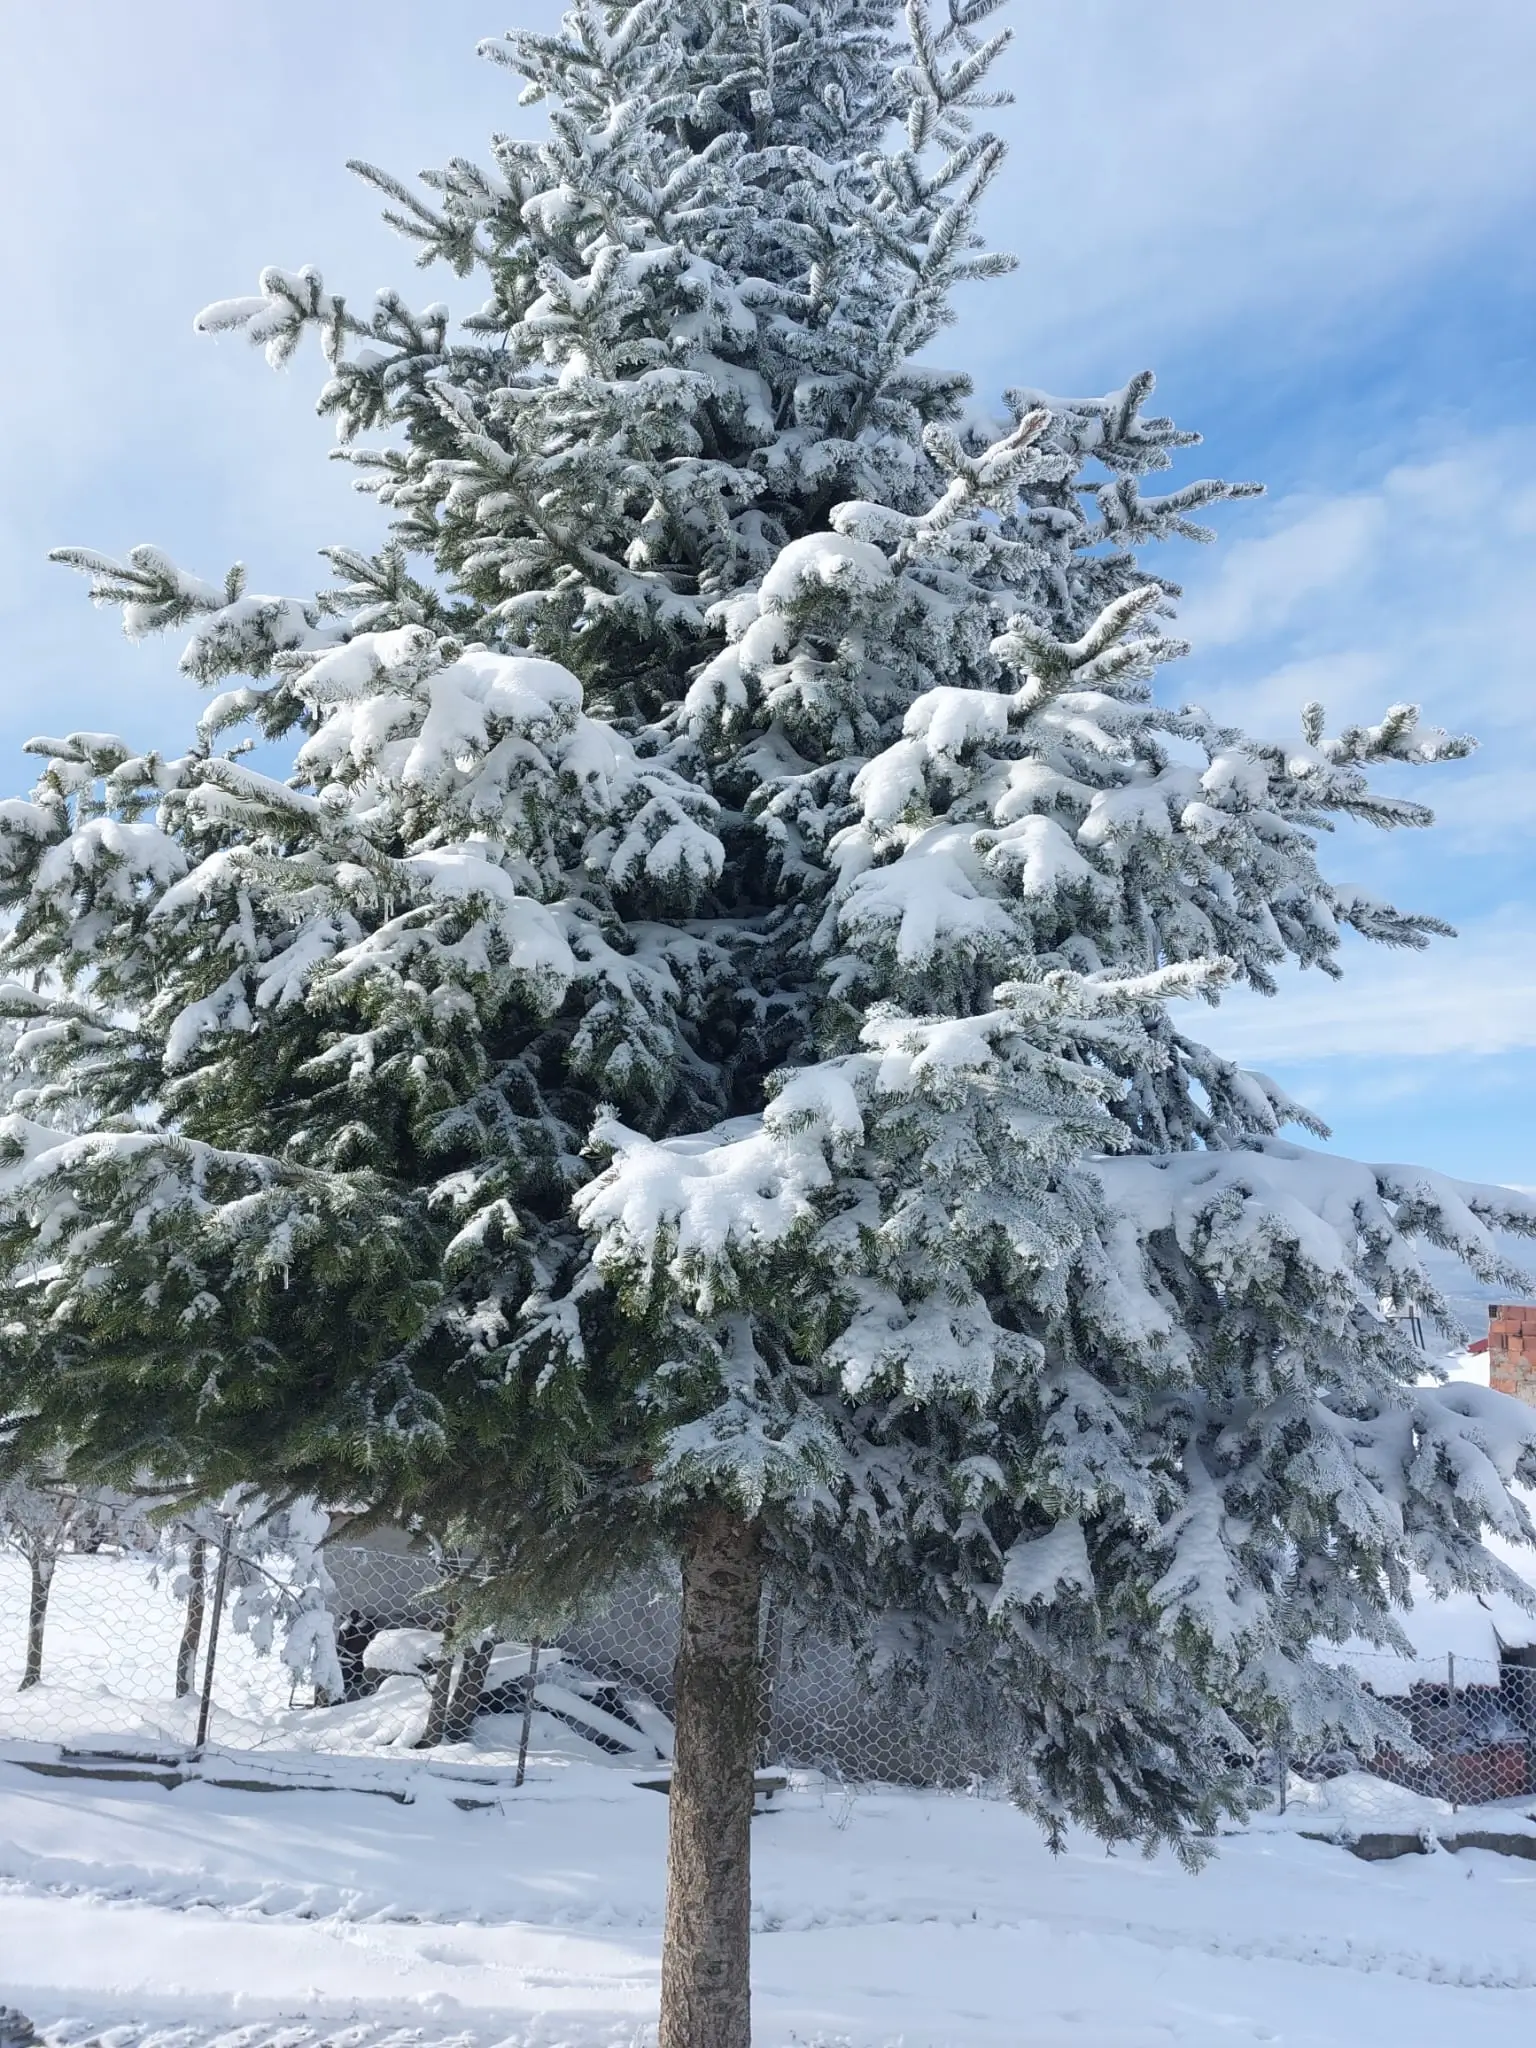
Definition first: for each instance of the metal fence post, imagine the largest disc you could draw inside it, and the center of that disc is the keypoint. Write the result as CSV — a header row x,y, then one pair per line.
x,y
205,1705
1453,1728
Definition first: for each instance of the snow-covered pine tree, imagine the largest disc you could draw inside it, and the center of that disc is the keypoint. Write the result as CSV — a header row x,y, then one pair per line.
x,y
683,1059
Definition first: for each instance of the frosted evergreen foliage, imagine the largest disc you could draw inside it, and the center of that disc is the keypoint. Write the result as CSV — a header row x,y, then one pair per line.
x,y
692,1017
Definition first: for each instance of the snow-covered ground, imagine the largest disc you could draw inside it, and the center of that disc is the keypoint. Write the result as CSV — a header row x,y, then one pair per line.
x,y
182,1918
109,1656
468,1914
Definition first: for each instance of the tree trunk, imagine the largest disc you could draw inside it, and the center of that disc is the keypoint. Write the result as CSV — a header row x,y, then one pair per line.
x,y
441,1690
530,1688
37,1614
192,1627
460,1721
706,1986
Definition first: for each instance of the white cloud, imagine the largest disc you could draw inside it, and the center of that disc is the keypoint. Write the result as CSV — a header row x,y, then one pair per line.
x,y
1413,590
1425,1054
1264,583
1488,809
1283,159
1356,681
1170,173
149,171
1471,996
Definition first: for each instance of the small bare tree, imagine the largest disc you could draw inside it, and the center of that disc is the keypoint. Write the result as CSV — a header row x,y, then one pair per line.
x,y
192,1627
43,1515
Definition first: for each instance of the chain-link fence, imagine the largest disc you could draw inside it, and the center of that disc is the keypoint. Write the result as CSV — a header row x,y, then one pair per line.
x,y
359,1651
1470,1720
190,1646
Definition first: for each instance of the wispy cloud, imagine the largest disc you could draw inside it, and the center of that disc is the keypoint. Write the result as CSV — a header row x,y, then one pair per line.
x,y
1259,166
1474,995
1491,809
1421,580
1413,590
148,172
1265,583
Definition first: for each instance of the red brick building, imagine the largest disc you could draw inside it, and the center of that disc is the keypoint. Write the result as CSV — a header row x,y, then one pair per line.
x,y
1512,1349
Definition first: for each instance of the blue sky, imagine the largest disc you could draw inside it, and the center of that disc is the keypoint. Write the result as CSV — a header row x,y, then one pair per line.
x,y
1311,218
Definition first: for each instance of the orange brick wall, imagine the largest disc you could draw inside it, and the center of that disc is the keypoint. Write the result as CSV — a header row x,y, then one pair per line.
x,y
1512,1349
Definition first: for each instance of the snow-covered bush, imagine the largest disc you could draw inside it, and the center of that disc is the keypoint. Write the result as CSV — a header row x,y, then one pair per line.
x,y
274,1577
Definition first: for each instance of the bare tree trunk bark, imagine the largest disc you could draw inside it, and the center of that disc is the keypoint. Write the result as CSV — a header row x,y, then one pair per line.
x,y
442,1687
37,1615
192,1627
459,1722
530,1687
706,1981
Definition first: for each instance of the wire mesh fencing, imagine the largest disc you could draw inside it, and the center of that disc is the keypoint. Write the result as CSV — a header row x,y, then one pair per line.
x,y
1470,1725
200,1644
361,1651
